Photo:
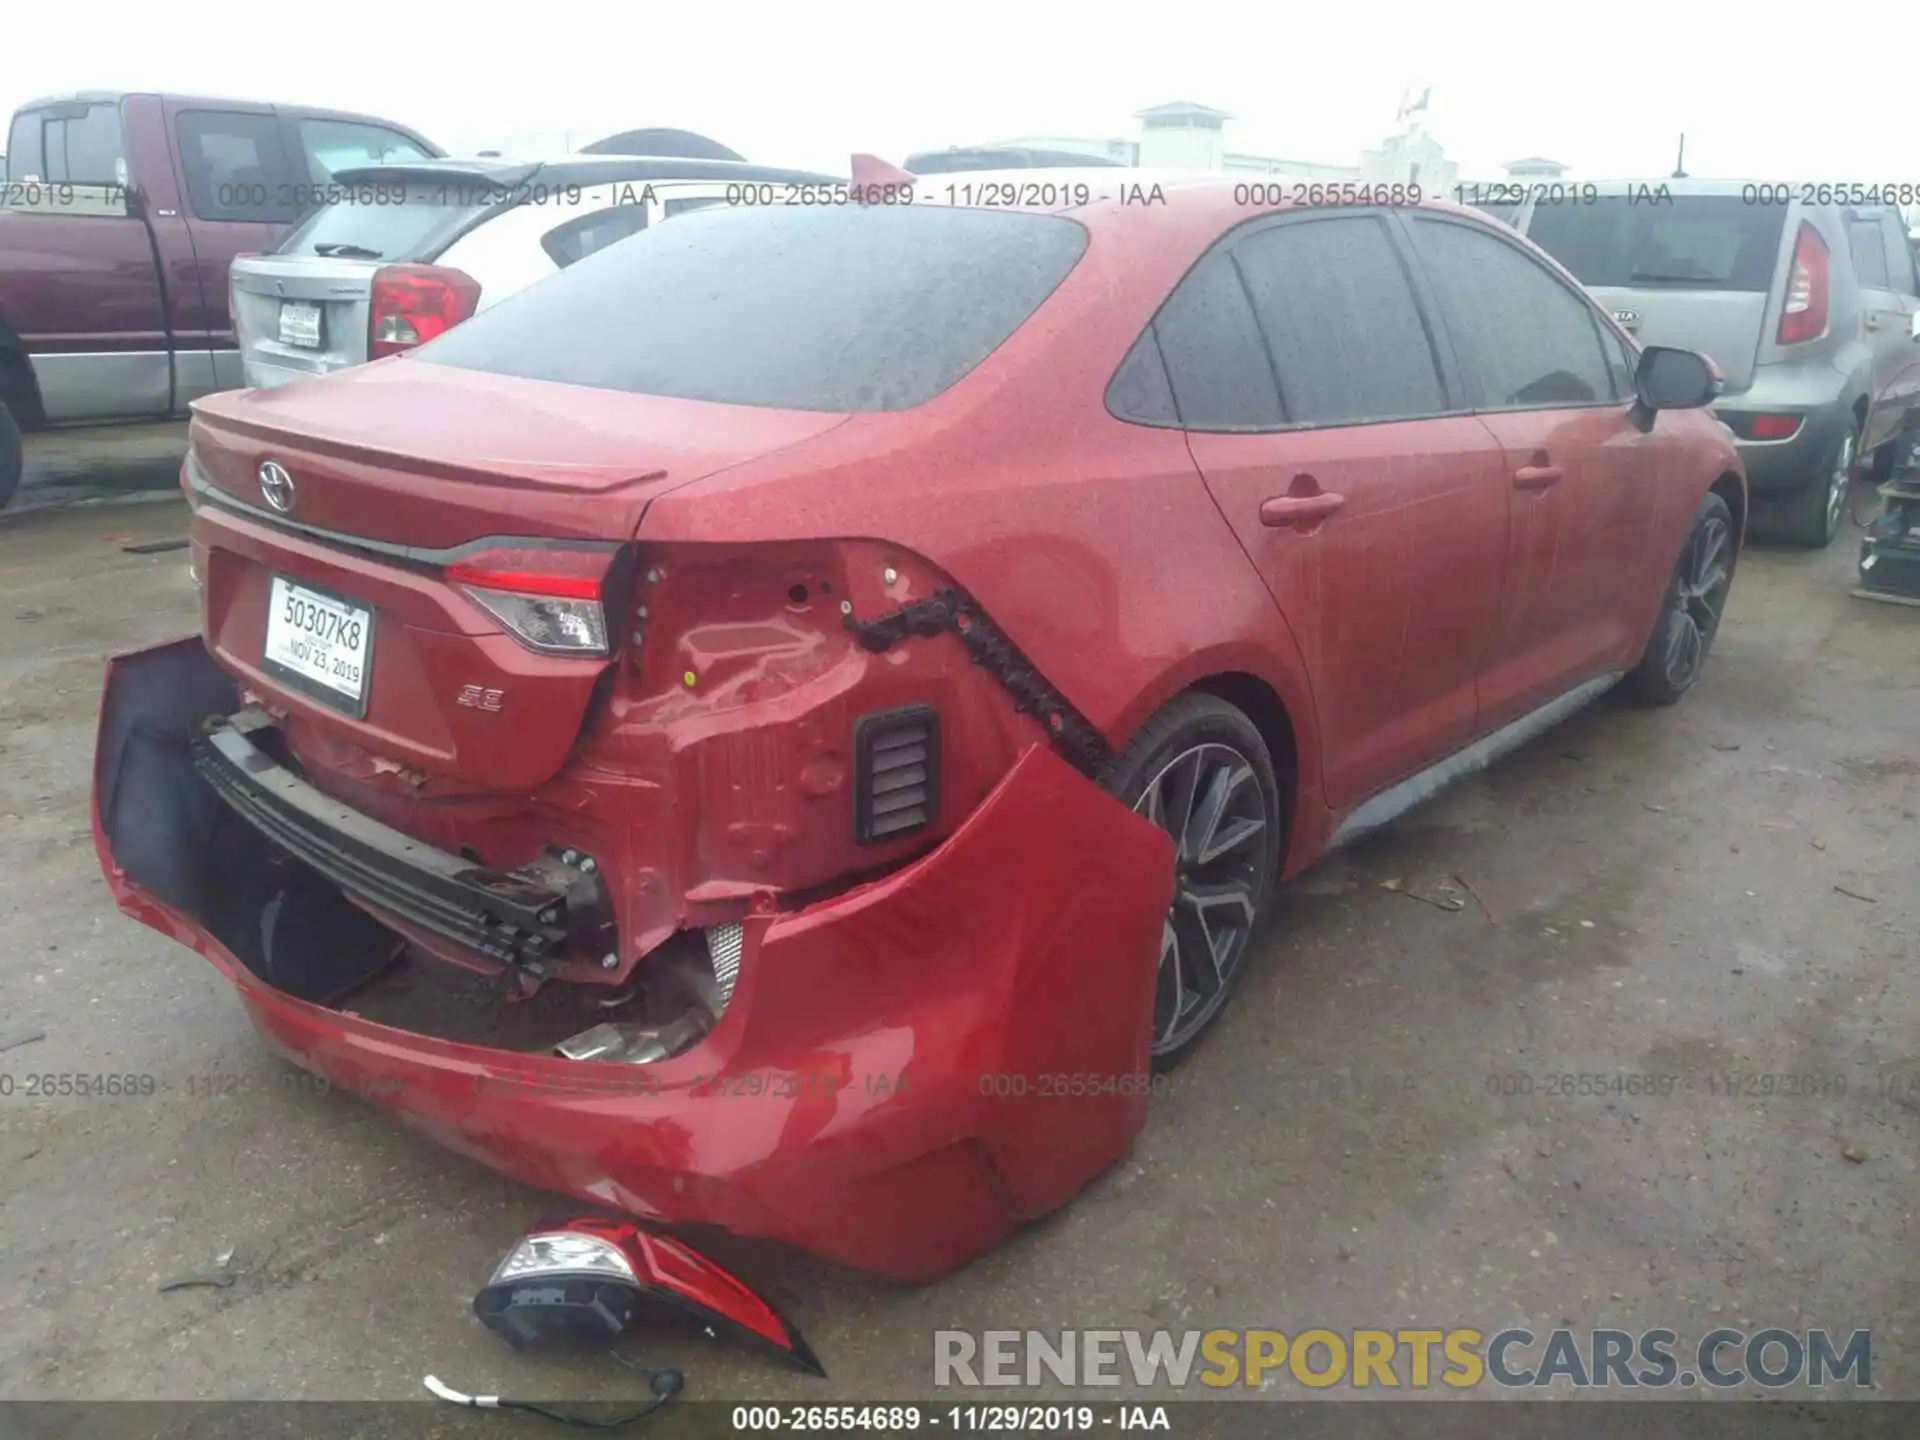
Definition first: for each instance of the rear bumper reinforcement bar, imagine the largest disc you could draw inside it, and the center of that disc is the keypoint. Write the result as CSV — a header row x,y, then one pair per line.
x,y
516,918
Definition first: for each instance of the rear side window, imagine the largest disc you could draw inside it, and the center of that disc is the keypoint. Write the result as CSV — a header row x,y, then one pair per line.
x,y
1524,339
235,165
76,144
1348,342
386,220
1139,389
1688,242
829,308
577,239
1218,366
1869,253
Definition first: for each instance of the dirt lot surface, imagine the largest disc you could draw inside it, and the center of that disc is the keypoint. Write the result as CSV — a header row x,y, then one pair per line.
x,y
1728,889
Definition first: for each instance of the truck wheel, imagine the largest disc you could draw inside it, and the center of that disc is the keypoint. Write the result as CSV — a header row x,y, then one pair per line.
x,y
13,458
1811,516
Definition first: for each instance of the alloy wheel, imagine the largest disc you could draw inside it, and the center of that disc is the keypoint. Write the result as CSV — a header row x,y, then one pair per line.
x,y
1700,596
1208,799
1839,483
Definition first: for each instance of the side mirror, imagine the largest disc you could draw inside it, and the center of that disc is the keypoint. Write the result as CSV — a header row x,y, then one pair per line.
x,y
1673,379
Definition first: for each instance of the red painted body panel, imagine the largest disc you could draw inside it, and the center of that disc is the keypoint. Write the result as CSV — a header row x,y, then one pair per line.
x,y
850,1082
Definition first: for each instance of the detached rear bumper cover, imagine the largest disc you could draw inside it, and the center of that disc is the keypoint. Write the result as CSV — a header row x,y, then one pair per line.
x,y
904,1073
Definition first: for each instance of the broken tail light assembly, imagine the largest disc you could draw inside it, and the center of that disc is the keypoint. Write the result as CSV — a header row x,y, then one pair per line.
x,y
591,1279
412,304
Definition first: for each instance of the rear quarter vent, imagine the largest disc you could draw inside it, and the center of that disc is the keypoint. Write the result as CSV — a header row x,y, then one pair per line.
x,y
896,783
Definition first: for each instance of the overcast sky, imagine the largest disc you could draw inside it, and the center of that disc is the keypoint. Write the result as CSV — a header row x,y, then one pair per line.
x,y
1593,86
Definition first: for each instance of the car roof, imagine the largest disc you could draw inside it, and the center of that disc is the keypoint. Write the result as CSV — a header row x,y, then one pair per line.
x,y
582,170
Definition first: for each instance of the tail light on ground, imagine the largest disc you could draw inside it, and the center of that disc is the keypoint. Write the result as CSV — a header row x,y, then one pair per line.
x,y
412,304
1804,316
551,599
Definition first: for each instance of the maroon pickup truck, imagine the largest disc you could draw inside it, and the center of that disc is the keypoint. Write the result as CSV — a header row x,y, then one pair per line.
x,y
119,216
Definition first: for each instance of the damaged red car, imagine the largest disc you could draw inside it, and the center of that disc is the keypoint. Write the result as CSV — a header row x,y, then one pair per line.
x,y
788,724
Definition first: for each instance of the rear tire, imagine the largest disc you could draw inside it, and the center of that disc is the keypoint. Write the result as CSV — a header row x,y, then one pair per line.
x,y
1810,517
13,457
1690,610
1200,771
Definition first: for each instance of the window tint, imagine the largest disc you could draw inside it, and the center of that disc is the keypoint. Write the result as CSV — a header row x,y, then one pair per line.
x,y
580,238
1523,337
834,308
1689,242
1869,252
235,165
1218,367
68,144
1338,312
333,145
383,220
1139,391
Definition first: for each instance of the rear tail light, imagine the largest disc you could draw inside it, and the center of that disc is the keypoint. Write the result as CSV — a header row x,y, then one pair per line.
x,y
1804,317
896,788
413,304
551,599
1775,427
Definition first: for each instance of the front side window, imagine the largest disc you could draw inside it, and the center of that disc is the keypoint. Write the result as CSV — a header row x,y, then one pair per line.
x,y
1524,339
235,165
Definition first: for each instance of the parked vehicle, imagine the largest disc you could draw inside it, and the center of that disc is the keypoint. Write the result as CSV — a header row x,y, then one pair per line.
x,y
866,669
405,252
1804,304
117,224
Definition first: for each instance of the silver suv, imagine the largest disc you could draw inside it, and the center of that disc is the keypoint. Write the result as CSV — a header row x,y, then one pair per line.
x,y
1805,300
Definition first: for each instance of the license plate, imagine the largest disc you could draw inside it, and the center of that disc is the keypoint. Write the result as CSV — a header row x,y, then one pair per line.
x,y
300,323
319,643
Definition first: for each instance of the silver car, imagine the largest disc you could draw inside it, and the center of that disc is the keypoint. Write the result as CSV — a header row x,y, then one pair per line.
x,y
1804,299
394,255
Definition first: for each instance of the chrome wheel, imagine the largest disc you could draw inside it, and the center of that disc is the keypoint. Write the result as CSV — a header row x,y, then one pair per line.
x,y
1700,595
1209,799
1840,482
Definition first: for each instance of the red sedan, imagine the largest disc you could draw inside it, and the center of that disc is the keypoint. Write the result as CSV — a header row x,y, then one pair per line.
x,y
792,722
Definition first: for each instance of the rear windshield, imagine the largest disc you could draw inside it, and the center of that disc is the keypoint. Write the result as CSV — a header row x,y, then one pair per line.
x,y
395,222
848,308
1688,242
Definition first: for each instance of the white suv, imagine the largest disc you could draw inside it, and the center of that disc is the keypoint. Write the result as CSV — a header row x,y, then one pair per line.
x,y
393,255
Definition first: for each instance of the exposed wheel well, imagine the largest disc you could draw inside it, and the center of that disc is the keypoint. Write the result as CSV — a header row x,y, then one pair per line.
x,y
1729,489
1256,699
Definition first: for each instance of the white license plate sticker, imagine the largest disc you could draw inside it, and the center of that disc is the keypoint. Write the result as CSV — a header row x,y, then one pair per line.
x,y
300,324
320,643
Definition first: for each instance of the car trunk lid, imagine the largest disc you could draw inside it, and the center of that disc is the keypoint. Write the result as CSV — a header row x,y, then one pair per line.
x,y
296,316
385,487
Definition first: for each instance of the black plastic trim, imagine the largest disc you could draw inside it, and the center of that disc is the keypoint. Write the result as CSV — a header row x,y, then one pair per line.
x,y
871,822
494,913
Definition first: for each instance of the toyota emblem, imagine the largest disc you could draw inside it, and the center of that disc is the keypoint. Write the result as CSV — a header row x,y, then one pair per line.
x,y
276,485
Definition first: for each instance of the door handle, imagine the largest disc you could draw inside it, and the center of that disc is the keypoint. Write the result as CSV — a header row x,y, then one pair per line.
x,y
1284,510
1537,477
